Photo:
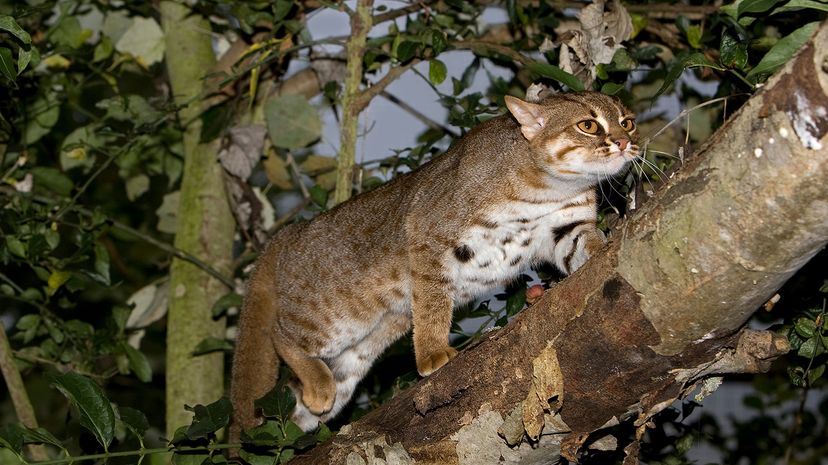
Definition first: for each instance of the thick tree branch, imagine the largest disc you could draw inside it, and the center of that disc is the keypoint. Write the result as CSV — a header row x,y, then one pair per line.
x,y
660,306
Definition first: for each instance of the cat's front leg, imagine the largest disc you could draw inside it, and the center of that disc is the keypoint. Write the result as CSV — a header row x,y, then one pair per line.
x,y
573,247
431,307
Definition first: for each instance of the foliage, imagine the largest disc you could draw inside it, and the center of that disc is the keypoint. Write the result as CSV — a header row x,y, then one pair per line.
x,y
91,161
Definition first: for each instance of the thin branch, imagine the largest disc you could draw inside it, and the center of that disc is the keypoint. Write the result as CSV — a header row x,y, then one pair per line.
x,y
416,114
104,166
352,101
17,392
497,48
394,14
365,97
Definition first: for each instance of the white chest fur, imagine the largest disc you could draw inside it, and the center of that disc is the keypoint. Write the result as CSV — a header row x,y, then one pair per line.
x,y
506,242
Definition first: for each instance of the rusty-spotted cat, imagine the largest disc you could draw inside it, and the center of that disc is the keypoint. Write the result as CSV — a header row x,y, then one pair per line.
x,y
329,295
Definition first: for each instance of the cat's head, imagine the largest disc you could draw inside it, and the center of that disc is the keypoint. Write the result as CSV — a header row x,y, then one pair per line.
x,y
585,135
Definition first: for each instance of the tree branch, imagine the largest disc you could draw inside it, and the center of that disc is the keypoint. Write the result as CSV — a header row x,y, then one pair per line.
x,y
615,340
17,392
351,105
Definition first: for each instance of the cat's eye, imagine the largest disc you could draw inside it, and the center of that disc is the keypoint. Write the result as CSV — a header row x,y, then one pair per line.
x,y
628,124
588,126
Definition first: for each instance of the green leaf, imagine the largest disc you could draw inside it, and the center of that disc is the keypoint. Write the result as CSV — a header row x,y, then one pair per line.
x,y
225,302
755,6
8,24
136,186
212,344
437,71
323,433
795,5
7,64
32,320
102,263
279,402
319,196
733,53
138,363
810,348
96,414
611,88
209,419
103,50
516,301
438,41
694,36
42,114
553,72
11,437
406,50
40,436
134,420
805,327
52,179
815,373
292,121
16,246
144,40
26,57
781,52
69,33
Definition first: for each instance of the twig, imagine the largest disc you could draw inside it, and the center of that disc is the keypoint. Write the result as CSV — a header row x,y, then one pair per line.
x,y
365,97
298,175
352,101
284,219
497,48
178,253
415,113
797,421
104,166
394,14
17,392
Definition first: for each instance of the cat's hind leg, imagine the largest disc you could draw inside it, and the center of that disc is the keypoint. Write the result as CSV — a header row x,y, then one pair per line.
x,y
318,389
353,364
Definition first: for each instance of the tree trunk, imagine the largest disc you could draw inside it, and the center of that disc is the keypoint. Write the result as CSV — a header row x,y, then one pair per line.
x,y
205,226
657,310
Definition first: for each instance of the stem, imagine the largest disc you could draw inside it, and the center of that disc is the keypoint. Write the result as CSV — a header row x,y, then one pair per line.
x,y
132,453
800,412
17,392
360,25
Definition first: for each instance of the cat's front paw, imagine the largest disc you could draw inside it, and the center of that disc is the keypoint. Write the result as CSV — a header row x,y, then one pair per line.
x,y
319,398
430,362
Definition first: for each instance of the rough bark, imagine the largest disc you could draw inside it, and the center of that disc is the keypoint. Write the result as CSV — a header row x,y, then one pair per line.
x,y
658,309
205,226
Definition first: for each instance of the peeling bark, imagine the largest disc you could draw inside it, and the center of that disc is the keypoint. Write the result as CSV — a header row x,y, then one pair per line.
x,y
658,309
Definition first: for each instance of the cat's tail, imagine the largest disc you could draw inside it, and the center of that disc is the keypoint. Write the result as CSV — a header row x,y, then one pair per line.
x,y
255,362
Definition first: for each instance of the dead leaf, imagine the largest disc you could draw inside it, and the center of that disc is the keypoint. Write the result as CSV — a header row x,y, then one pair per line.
x,y
243,149
547,383
317,164
594,39
277,171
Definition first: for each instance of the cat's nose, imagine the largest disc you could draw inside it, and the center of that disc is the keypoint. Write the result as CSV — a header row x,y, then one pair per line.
x,y
622,143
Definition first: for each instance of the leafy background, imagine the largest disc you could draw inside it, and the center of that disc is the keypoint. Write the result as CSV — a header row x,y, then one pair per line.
x,y
92,157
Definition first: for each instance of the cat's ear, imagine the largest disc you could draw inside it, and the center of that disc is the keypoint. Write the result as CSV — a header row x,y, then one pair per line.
x,y
529,115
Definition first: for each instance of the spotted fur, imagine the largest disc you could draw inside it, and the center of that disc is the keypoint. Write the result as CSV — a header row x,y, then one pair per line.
x,y
329,295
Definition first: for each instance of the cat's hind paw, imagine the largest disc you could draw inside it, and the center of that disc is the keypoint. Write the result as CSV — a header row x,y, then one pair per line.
x,y
319,398
432,361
